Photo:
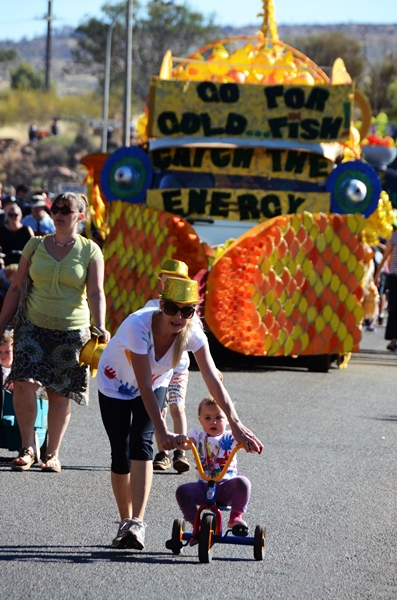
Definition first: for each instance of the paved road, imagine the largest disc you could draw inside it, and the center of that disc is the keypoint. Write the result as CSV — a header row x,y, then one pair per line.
x,y
325,487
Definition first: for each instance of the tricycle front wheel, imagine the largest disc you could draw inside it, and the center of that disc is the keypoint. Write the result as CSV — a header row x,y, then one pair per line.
x,y
206,535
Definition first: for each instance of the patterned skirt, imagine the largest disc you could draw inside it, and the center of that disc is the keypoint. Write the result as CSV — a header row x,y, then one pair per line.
x,y
51,359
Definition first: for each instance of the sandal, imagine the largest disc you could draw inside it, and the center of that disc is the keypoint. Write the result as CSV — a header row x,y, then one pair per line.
x,y
51,464
25,459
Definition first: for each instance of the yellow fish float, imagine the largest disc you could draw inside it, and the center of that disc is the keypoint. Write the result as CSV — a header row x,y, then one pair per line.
x,y
249,170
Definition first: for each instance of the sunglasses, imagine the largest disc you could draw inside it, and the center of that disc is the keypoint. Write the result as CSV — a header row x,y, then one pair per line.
x,y
64,210
171,309
13,214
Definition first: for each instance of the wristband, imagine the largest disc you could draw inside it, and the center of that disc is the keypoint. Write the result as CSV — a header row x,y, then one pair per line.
x,y
100,325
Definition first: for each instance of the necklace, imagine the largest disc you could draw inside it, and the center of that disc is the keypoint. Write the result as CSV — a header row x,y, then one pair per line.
x,y
63,245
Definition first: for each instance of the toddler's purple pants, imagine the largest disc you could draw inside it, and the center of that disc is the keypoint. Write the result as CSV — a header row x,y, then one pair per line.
x,y
234,492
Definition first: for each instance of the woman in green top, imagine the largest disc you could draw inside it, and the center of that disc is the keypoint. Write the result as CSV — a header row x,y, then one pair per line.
x,y
67,273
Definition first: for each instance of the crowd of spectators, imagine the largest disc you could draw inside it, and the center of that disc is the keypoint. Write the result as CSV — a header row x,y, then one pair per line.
x,y
23,214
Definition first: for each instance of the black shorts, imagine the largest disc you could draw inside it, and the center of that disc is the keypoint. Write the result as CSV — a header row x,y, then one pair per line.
x,y
129,428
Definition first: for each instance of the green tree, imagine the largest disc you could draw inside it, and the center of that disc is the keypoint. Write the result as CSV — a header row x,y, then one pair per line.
x,y
378,86
25,77
91,37
164,26
392,95
325,48
8,57
167,27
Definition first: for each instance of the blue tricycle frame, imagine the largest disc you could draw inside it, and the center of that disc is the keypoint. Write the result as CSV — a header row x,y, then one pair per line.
x,y
208,525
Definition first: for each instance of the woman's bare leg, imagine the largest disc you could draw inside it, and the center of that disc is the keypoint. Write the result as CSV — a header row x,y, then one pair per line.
x,y
141,483
59,412
122,493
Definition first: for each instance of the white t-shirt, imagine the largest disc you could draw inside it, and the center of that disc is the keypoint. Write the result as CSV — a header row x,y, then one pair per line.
x,y
214,452
116,377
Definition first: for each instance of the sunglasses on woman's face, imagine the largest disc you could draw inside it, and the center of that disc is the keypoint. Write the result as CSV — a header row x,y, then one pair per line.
x,y
13,214
171,309
64,210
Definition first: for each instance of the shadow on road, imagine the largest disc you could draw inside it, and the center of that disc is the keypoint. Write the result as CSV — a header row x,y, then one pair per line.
x,y
392,418
88,554
5,465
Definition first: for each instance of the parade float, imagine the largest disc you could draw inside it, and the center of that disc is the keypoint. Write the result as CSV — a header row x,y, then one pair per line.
x,y
249,170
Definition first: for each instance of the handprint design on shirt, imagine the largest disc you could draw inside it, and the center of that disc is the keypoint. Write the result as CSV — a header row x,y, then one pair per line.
x,y
124,388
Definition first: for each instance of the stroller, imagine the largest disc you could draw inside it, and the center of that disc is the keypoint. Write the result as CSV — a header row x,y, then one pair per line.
x,y
10,437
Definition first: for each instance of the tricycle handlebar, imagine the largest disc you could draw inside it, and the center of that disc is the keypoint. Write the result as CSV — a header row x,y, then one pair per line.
x,y
200,466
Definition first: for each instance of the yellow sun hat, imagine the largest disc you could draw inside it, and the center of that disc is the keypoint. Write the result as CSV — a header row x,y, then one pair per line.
x,y
174,267
182,291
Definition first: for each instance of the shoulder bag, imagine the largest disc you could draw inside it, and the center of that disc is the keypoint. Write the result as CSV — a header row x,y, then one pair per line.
x,y
20,316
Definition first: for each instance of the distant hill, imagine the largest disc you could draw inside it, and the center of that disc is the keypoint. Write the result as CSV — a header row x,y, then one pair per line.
x,y
376,40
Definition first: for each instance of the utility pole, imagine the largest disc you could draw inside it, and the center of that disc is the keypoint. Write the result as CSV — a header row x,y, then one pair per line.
x,y
48,18
127,77
105,109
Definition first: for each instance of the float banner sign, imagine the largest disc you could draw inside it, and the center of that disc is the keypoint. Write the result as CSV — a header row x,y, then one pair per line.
x,y
260,162
319,113
236,205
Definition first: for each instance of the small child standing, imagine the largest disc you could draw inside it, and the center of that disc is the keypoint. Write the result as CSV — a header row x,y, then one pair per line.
x,y
214,445
7,353
176,395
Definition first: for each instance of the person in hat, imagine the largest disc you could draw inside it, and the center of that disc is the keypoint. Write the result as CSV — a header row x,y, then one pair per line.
x,y
133,371
39,219
176,393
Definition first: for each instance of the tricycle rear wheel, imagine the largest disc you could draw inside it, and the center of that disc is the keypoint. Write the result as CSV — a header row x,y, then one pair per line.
x,y
178,529
259,542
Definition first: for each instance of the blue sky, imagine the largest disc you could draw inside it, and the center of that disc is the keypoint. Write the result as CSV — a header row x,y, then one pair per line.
x,y
21,18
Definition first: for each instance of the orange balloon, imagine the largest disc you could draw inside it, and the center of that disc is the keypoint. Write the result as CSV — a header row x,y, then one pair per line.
x,y
334,300
334,343
351,282
318,345
319,265
352,243
343,274
335,264
350,322
308,244
357,334
360,252
327,254
322,222
268,320
337,222
299,277
344,234
237,76
311,297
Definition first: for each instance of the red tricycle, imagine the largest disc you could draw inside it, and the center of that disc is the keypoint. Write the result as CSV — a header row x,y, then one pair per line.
x,y
208,521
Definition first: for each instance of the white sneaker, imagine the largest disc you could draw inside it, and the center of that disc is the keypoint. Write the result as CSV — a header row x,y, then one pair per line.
x,y
135,536
122,532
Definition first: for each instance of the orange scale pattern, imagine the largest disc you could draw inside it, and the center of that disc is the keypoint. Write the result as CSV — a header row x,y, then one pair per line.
x,y
295,291
140,239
